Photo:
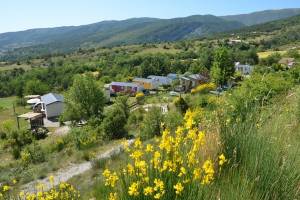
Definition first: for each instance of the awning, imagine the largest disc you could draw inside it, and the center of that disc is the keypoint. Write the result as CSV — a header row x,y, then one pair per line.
x,y
33,101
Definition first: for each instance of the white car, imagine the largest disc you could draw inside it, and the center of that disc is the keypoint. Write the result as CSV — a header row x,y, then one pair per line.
x,y
172,93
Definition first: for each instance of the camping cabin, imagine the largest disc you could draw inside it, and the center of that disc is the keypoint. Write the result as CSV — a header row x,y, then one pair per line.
x,y
124,87
188,82
243,69
147,84
161,80
52,105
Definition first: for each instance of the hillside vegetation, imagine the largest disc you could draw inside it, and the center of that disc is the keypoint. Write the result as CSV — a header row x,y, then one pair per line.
x,y
132,31
234,136
263,16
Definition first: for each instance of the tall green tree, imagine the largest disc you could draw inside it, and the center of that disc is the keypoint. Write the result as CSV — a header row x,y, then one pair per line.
x,y
151,125
116,119
36,87
85,99
114,122
223,66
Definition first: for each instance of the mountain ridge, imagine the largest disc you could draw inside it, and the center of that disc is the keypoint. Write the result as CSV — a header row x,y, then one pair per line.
x,y
108,33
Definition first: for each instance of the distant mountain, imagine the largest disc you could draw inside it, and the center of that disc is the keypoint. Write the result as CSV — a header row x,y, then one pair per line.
x,y
35,42
263,16
120,32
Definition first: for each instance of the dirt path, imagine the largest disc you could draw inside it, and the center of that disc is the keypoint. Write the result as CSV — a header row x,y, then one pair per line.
x,y
66,174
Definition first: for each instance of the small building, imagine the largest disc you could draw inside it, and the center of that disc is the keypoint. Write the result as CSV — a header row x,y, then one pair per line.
x,y
146,83
234,41
52,105
287,62
106,92
125,87
243,69
188,82
161,80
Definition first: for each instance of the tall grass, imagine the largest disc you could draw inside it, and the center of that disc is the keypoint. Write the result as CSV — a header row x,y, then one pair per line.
x,y
270,171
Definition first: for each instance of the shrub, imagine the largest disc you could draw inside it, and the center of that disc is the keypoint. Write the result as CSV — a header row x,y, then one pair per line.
x,y
204,88
63,191
40,133
181,105
139,97
151,125
170,168
33,154
114,123
84,137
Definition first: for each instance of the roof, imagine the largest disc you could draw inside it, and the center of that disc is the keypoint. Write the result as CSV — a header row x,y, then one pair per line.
x,y
52,98
172,76
197,77
146,80
32,97
31,115
157,77
125,84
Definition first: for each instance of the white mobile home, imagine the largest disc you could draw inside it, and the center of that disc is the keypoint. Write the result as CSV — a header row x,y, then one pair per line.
x,y
52,105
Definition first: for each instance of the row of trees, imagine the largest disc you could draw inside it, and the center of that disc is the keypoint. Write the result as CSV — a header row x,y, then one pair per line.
x,y
112,65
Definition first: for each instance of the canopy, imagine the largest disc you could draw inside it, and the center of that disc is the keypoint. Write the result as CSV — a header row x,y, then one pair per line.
x,y
33,101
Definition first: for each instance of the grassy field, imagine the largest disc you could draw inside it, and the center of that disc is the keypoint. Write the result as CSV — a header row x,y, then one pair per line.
x,y
7,111
7,102
265,54
15,66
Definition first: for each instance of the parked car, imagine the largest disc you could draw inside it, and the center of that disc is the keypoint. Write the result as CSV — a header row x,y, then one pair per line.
x,y
173,93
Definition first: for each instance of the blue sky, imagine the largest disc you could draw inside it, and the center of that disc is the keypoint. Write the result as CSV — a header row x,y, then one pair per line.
x,y
24,14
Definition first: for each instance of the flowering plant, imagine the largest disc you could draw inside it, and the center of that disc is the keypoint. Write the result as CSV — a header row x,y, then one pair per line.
x,y
170,168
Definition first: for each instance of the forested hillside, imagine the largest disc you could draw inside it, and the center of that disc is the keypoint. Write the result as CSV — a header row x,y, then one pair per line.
x,y
263,16
37,42
110,33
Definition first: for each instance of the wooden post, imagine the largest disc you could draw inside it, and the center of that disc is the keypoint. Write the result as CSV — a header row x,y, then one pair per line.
x,y
18,123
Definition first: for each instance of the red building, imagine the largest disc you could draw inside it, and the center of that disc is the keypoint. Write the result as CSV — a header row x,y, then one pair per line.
x,y
123,87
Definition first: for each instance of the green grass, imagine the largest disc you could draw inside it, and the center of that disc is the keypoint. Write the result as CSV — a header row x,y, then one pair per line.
x,y
7,102
262,151
15,66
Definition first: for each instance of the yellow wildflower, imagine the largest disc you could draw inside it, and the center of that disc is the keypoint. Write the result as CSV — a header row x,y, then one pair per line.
x,y
182,172
149,148
222,159
112,196
6,188
133,189
178,188
148,191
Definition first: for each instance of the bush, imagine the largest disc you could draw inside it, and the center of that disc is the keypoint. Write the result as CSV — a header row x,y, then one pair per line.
x,y
139,97
181,105
174,167
114,123
173,119
204,88
19,139
151,125
36,154
40,133
84,137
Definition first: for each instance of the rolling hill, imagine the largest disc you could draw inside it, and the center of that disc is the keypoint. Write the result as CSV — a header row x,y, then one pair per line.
x,y
44,41
263,16
108,33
